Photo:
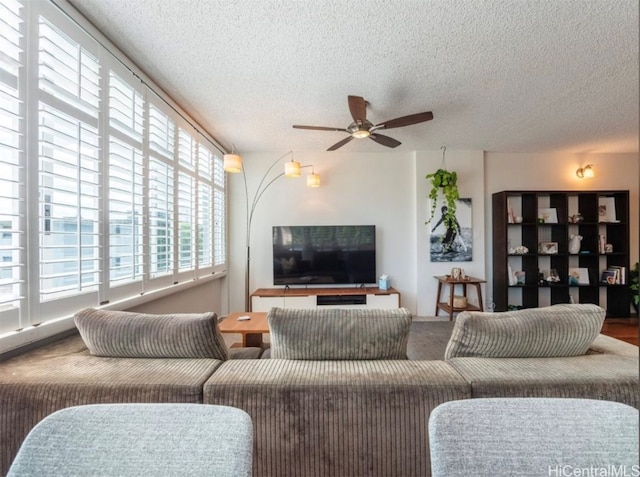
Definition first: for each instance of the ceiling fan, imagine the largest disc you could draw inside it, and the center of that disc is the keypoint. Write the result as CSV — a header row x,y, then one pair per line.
x,y
362,128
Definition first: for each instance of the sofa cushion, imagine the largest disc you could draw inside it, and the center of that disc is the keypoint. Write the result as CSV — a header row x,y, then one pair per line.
x,y
339,334
554,331
122,334
337,418
597,376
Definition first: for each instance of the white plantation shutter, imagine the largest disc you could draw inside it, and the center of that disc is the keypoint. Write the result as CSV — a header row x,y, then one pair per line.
x,y
106,191
161,193
219,213
205,223
125,184
186,222
160,218
11,173
69,167
205,210
187,193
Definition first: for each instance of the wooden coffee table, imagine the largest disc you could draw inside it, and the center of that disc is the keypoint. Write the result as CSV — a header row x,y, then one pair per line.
x,y
251,329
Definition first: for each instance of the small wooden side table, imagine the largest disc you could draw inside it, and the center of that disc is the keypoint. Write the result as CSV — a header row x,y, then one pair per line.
x,y
451,282
251,329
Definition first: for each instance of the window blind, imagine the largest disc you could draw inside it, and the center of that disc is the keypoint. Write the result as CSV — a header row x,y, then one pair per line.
x,y
125,183
106,190
11,172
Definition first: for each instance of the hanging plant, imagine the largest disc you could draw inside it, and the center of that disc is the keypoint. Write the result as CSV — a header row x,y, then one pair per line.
x,y
446,183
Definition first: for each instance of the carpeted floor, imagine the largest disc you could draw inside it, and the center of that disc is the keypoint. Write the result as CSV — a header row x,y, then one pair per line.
x,y
428,339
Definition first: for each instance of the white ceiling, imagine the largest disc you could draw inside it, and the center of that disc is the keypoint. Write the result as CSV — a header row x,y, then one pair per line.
x,y
499,75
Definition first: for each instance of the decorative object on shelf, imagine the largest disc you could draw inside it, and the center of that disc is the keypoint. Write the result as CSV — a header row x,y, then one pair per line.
x,y
607,210
576,218
455,273
383,282
549,216
578,276
585,172
460,302
548,248
518,220
519,250
602,246
511,276
574,243
634,286
553,276
608,248
540,220
520,277
233,164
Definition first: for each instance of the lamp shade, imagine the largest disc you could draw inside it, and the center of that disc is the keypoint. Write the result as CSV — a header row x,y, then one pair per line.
x,y
232,163
292,169
313,180
586,172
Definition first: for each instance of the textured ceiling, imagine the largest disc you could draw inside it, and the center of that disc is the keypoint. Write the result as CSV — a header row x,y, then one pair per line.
x,y
499,75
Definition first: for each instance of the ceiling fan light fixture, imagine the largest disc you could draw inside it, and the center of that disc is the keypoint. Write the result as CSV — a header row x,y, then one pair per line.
x,y
361,133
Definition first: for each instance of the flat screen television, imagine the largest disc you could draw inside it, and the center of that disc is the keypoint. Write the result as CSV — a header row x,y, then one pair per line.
x,y
324,254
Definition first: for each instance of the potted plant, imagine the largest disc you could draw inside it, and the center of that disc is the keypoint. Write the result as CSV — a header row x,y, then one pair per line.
x,y
635,285
446,183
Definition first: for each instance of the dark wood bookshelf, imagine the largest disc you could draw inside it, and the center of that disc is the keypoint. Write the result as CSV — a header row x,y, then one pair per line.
x,y
530,232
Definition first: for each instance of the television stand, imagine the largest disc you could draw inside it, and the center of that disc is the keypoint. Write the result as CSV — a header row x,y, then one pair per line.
x,y
263,299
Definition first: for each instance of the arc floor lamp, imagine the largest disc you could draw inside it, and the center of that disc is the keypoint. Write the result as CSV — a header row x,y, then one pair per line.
x,y
233,163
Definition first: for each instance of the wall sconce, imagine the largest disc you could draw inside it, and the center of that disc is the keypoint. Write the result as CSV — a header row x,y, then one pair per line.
x,y
585,172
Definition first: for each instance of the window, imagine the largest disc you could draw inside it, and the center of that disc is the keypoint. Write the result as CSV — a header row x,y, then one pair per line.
x,y
122,195
11,173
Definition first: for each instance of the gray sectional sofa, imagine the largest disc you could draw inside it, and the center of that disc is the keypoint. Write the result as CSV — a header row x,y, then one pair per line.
x,y
337,396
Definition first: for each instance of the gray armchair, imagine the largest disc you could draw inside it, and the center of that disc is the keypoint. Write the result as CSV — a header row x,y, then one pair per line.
x,y
532,437
139,440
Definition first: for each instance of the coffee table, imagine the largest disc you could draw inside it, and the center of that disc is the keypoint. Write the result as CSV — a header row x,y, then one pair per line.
x,y
251,329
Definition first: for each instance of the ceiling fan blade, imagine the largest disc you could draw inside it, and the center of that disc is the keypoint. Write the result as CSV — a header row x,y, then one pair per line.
x,y
340,144
358,108
406,120
385,140
318,128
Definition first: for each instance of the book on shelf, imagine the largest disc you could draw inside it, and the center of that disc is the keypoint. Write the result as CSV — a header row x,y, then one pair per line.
x,y
614,275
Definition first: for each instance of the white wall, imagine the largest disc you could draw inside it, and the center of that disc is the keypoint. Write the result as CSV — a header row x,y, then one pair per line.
x,y
388,189
558,172
469,167
357,188
199,299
